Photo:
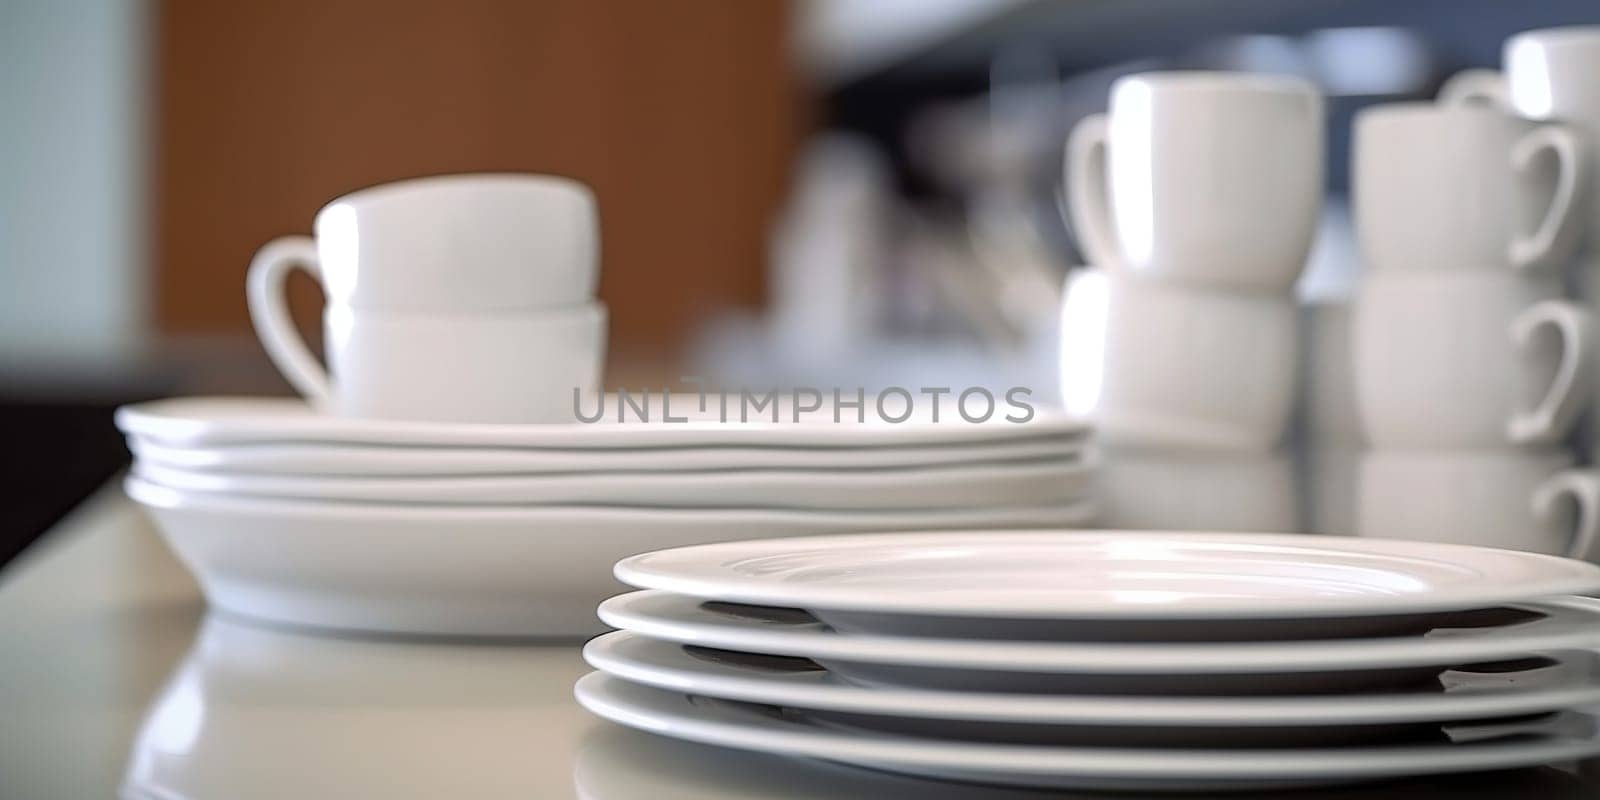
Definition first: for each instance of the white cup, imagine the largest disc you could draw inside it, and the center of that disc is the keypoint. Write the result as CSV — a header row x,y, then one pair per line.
x,y
1495,498
1469,358
1208,178
1441,186
1549,74
456,297
1194,490
1156,365
497,368
450,244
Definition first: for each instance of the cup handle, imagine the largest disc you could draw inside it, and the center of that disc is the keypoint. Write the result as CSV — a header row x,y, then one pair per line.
x,y
1555,230
1475,86
1558,410
269,311
1583,486
1088,203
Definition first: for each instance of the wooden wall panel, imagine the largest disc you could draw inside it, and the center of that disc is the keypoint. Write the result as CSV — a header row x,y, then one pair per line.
x,y
682,114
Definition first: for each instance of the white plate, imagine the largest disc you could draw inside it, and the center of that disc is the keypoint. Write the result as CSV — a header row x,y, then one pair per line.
x,y
302,458
1147,721
491,570
764,729
214,420
1012,484
1570,630
1105,575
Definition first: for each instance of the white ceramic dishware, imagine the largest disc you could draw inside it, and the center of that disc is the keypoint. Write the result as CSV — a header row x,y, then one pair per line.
x,y
993,485
766,729
306,459
1104,719
1533,500
444,244
1208,178
500,570
1469,358
1561,631
1442,186
1548,75
1161,489
211,421
488,368
1155,365
480,283
982,577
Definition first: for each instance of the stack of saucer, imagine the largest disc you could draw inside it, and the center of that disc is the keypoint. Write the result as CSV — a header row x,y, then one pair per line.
x,y
299,517
1110,660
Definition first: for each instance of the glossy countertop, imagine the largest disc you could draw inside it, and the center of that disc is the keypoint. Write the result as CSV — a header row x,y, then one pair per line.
x,y
114,680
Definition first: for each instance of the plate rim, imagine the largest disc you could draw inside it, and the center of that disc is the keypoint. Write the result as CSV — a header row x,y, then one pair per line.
x,y
673,714
174,421
664,569
664,615
152,494
606,653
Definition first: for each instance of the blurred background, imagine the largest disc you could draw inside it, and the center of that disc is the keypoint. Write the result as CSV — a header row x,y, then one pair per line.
x,y
827,192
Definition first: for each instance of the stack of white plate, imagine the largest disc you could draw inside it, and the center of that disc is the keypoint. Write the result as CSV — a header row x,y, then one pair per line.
x,y
1116,660
304,518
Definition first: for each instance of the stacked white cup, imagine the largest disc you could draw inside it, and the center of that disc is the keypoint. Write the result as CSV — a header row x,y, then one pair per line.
x,y
1550,74
465,298
1195,198
1471,367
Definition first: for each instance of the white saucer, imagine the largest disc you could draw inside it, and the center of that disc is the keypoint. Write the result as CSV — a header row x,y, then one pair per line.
x,y
1103,719
1570,632
198,421
968,579
490,569
765,729
1029,483
305,458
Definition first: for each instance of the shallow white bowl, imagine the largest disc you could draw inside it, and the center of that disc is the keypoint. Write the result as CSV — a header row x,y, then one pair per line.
x,y
500,570
974,486
323,458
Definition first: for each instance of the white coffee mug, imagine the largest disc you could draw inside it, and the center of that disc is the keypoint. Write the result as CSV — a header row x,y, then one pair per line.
x,y
1496,498
1158,365
1207,178
1549,74
455,297
1442,186
1469,358
492,368
450,243
1195,490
